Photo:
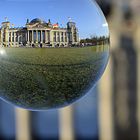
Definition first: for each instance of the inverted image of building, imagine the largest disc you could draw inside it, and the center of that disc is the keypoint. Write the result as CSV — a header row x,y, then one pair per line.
x,y
38,33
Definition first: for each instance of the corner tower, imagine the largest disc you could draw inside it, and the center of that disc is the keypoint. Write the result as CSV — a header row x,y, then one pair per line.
x,y
73,36
4,33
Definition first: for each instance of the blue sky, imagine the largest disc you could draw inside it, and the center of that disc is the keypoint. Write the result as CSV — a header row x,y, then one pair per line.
x,y
85,13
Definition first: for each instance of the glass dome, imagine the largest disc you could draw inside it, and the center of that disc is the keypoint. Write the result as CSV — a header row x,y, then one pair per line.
x,y
37,20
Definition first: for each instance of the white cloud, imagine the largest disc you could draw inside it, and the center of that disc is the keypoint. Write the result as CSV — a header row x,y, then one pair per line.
x,y
105,24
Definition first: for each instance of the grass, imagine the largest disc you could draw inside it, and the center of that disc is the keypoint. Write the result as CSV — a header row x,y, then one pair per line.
x,y
42,78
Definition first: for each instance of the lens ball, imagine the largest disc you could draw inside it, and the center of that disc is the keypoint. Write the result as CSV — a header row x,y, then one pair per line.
x,y
52,52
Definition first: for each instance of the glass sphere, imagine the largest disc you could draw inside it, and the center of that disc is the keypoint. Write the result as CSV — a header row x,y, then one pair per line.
x,y
52,52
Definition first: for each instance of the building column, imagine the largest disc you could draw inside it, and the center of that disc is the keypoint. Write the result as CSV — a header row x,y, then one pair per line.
x,y
11,36
60,36
46,36
67,37
28,37
36,36
41,36
72,37
56,37
49,38
18,38
6,37
2,38
32,36
64,37
14,37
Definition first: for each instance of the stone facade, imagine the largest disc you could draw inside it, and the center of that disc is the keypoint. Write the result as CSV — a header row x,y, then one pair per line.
x,y
38,33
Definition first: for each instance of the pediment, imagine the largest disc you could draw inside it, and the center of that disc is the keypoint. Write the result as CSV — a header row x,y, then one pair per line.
x,y
37,25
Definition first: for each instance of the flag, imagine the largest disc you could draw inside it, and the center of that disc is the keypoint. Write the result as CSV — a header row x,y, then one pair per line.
x,y
55,25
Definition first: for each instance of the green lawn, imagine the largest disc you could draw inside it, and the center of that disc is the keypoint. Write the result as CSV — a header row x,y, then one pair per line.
x,y
49,77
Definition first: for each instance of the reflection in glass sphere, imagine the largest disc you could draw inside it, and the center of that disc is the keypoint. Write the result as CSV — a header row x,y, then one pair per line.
x,y
54,59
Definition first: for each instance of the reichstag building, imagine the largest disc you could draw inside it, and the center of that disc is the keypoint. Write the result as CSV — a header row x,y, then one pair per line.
x,y
38,33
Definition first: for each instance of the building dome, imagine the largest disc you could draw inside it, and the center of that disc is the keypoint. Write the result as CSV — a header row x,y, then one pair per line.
x,y
37,20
